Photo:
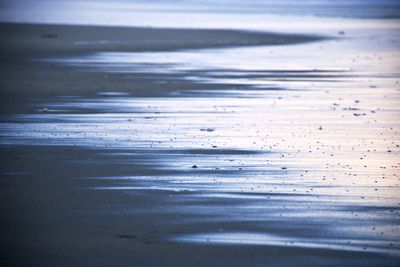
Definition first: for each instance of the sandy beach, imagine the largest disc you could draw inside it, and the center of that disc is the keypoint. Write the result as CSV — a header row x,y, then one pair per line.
x,y
143,146
25,46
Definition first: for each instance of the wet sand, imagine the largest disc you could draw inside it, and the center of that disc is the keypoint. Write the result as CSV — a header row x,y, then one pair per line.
x,y
151,147
25,46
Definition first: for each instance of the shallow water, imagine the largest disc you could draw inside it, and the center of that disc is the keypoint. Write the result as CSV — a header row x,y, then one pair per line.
x,y
299,147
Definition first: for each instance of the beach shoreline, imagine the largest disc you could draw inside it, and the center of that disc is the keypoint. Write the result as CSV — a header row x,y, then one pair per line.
x,y
159,161
29,73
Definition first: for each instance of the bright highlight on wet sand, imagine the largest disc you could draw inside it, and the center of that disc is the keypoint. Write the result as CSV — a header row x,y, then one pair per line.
x,y
219,134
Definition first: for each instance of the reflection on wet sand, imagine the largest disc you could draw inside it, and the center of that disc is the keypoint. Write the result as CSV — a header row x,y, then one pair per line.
x,y
291,153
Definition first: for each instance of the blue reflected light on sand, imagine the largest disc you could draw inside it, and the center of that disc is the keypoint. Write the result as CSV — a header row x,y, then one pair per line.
x,y
286,147
273,240
287,166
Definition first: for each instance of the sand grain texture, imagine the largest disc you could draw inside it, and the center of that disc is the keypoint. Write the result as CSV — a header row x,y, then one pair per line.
x,y
294,139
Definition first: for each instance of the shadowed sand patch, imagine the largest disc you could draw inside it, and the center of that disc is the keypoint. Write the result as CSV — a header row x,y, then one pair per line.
x,y
34,38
